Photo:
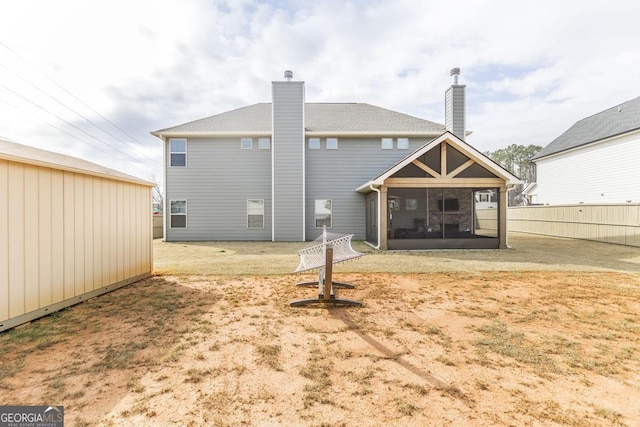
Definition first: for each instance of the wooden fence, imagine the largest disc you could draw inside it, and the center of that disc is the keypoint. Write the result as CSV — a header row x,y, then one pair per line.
x,y
610,223
158,230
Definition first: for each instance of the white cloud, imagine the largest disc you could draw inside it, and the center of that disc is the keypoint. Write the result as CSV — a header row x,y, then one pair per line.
x,y
531,68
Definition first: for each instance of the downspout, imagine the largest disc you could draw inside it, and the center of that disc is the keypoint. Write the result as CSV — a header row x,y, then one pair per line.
x,y
372,188
165,214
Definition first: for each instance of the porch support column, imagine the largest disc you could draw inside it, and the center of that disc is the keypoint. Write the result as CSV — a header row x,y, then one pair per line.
x,y
384,212
502,215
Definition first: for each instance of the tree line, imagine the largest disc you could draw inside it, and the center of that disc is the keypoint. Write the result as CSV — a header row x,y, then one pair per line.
x,y
517,159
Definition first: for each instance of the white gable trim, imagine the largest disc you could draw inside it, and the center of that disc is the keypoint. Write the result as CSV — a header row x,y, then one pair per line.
x,y
458,144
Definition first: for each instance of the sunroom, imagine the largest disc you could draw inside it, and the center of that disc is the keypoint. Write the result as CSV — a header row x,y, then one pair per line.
x,y
445,195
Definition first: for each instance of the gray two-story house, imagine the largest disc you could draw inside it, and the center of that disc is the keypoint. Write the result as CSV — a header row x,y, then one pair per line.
x,y
280,171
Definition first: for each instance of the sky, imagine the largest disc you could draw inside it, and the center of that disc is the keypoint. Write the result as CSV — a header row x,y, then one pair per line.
x,y
92,79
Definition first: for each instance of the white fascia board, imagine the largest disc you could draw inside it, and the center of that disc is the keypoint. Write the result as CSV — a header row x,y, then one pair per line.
x,y
456,143
211,134
374,133
97,171
483,160
588,144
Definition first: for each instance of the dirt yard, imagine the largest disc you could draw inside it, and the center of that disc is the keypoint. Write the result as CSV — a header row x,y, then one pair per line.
x,y
545,334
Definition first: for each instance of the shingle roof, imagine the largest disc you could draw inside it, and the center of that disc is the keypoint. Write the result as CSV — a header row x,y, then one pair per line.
x,y
614,121
319,117
23,153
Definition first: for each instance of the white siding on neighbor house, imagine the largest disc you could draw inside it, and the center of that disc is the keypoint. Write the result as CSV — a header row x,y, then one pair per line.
x,y
217,181
288,147
335,174
605,172
66,236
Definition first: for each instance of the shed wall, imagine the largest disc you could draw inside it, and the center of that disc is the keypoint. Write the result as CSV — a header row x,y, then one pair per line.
x,y
65,237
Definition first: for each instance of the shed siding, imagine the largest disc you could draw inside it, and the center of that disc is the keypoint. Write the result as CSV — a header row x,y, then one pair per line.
x,y
288,161
16,259
4,242
335,174
55,233
217,181
600,173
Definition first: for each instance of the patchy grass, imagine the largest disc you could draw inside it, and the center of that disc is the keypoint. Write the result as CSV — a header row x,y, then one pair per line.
x,y
521,348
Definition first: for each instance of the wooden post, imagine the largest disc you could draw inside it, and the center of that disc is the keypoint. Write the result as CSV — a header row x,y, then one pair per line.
x,y
328,271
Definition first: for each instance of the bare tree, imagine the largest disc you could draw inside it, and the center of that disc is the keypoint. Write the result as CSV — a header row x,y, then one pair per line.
x,y
157,195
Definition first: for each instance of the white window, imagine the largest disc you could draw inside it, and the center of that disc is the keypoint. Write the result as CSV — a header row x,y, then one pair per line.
x,y
178,151
332,143
387,143
246,143
178,214
264,143
323,213
255,213
403,143
314,143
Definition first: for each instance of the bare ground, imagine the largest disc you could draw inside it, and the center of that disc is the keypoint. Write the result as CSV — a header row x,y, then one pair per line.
x,y
443,338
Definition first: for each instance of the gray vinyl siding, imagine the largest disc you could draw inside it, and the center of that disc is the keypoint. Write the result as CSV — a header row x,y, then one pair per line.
x,y
288,161
455,110
335,175
217,181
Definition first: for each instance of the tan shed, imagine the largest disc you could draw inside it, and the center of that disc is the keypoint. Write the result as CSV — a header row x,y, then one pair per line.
x,y
69,230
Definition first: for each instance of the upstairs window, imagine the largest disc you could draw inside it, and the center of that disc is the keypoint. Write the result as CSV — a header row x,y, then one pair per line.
x,y
403,143
387,144
264,143
332,143
246,143
255,213
178,214
314,143
323,213
178,151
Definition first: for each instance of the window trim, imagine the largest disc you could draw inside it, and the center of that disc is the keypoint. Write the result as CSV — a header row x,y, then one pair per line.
x,y
261,140
389,146
398,143
327,143
255,200
242,141
171,152
314,140
171,214
315,213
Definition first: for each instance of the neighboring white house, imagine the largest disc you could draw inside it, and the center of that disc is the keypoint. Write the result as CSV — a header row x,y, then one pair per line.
x,y
69,230
595,161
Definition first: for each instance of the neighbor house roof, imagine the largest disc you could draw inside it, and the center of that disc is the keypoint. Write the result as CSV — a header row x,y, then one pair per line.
x,y
617,120
34,156
320,118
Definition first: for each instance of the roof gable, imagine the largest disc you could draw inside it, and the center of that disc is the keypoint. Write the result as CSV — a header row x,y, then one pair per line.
x,y
34,156
467,162
611,122
320,118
